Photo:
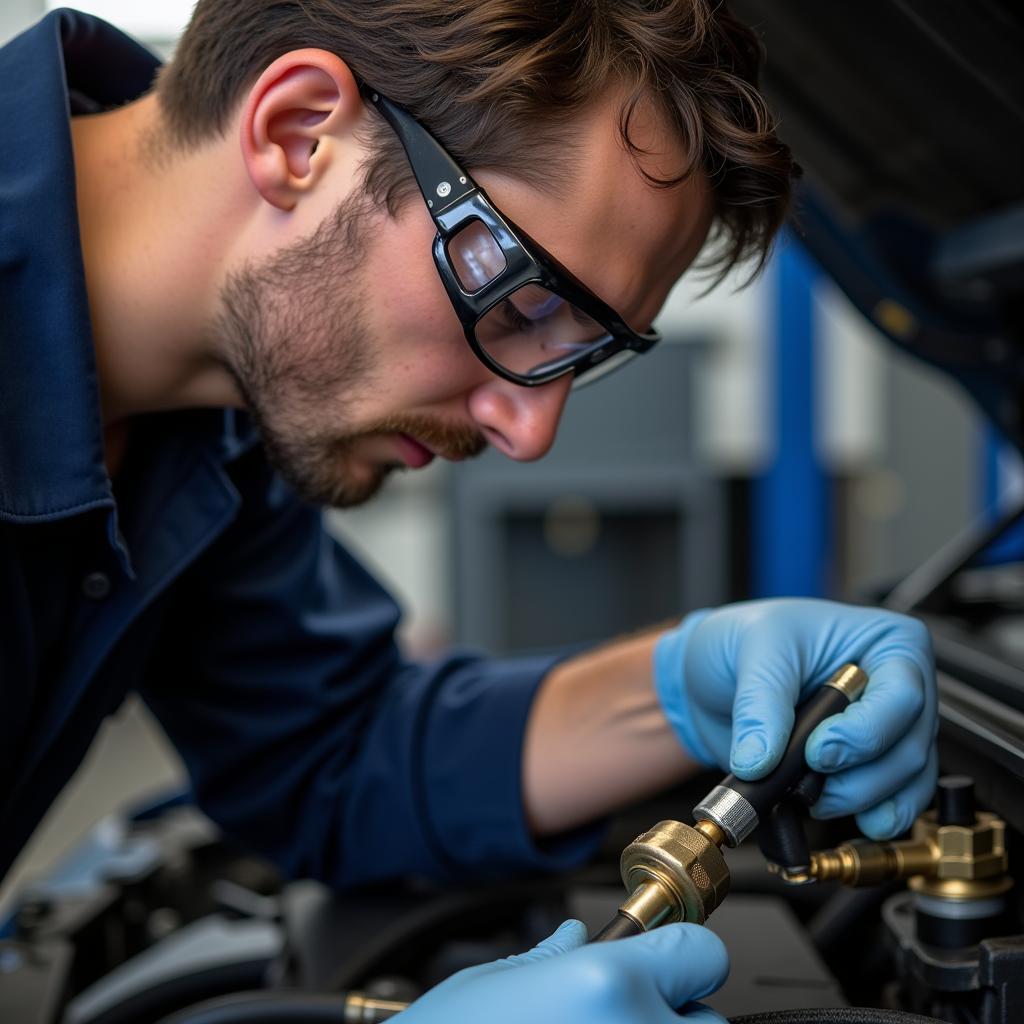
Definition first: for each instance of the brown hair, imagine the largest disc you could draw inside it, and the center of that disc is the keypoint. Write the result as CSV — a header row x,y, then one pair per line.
x,y
498,82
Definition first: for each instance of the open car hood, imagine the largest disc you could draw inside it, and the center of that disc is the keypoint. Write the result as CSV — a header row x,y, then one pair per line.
x,y
908,119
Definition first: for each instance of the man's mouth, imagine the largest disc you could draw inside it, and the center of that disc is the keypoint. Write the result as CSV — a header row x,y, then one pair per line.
x,y
414,454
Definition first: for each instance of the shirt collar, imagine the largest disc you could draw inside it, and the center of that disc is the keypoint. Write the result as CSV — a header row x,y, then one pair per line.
x,y
51,441
51,436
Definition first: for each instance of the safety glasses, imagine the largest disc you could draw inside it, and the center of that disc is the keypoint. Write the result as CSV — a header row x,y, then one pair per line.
x,y
524,315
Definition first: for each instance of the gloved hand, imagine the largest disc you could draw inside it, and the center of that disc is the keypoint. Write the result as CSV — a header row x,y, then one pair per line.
x,y
728,680
640,980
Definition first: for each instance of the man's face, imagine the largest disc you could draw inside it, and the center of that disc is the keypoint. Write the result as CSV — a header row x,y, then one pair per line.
x,y
353,363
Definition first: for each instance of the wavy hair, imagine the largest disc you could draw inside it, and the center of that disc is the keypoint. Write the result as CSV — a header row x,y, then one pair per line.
x,y
499,82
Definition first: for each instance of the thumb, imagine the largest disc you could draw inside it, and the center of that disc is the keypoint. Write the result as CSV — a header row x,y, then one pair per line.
x,y
570,935
683,961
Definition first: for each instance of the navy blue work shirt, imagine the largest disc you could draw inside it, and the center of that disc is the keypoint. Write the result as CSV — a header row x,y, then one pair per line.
x,y
198,579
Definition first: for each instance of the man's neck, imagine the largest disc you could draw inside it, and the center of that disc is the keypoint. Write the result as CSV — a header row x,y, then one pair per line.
x,y
153,233
115,444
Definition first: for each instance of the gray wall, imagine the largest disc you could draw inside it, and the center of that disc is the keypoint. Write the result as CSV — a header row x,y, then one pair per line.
x,y
924,489
16,15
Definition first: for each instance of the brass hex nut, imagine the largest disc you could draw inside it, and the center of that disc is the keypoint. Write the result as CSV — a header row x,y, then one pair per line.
x,y
685,863
967,852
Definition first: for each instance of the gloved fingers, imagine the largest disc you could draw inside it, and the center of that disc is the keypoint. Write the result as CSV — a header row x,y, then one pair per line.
x,y
683,961
856,789
893,701
569,935
767,691
897,814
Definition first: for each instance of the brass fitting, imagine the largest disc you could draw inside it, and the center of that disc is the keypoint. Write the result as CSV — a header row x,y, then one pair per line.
x,y
862,862
363,1009
712,831
850,681
675,873
971,860
951,861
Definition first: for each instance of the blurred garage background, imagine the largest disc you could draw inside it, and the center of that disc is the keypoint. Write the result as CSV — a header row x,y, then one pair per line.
x,y
773,445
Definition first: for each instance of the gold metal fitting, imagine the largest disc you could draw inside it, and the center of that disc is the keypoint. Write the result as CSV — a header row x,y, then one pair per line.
x,y
362,1009
850,681
792,876
712,831
675,873
862,862
971,860
951,861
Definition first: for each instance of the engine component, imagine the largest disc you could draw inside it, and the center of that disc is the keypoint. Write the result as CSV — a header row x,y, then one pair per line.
x,y
956,852
983,982
956,862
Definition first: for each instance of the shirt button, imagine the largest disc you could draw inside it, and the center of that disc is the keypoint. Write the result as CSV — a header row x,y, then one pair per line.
x,y
96,586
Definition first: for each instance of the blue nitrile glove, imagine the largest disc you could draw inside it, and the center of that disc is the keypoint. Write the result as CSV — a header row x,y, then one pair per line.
x,y
729,678
640,980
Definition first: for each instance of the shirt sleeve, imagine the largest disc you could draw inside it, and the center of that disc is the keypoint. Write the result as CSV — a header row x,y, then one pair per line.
x,y
309,737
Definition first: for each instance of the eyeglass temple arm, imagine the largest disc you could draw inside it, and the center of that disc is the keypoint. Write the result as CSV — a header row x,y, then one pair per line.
x,y
441,180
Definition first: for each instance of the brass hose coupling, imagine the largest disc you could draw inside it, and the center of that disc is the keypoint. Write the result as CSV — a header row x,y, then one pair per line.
x,y
674,872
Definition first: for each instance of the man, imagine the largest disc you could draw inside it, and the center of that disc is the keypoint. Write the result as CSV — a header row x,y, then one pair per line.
x,y
255,235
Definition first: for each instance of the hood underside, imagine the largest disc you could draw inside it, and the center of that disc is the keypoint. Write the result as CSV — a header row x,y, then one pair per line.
x,y
908,119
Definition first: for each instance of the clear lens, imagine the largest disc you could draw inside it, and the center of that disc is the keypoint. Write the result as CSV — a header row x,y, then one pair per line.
x,y
533,331
476,256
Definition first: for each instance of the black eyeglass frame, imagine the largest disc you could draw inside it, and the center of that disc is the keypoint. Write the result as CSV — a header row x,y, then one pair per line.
x,y
454,200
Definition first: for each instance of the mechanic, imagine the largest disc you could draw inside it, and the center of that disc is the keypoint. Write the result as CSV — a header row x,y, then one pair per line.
x,y
221,312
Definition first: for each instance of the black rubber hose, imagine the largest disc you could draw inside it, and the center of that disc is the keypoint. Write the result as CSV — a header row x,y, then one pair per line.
x,y
835,1015
764,794
163,998
303,1008
619,927
264,1008
781,836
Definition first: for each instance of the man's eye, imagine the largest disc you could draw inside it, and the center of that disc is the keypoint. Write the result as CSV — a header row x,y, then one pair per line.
x,y
514,318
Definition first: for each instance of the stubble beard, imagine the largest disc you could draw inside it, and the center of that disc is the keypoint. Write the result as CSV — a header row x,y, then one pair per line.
x,y
293,333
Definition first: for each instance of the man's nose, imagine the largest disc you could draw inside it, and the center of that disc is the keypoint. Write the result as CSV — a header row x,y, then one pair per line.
x,y
520,422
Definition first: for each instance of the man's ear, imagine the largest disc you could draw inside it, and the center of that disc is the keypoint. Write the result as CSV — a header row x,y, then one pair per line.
x,y
300,108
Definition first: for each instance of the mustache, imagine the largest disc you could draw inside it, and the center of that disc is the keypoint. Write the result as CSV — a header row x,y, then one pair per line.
x,y
447,440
